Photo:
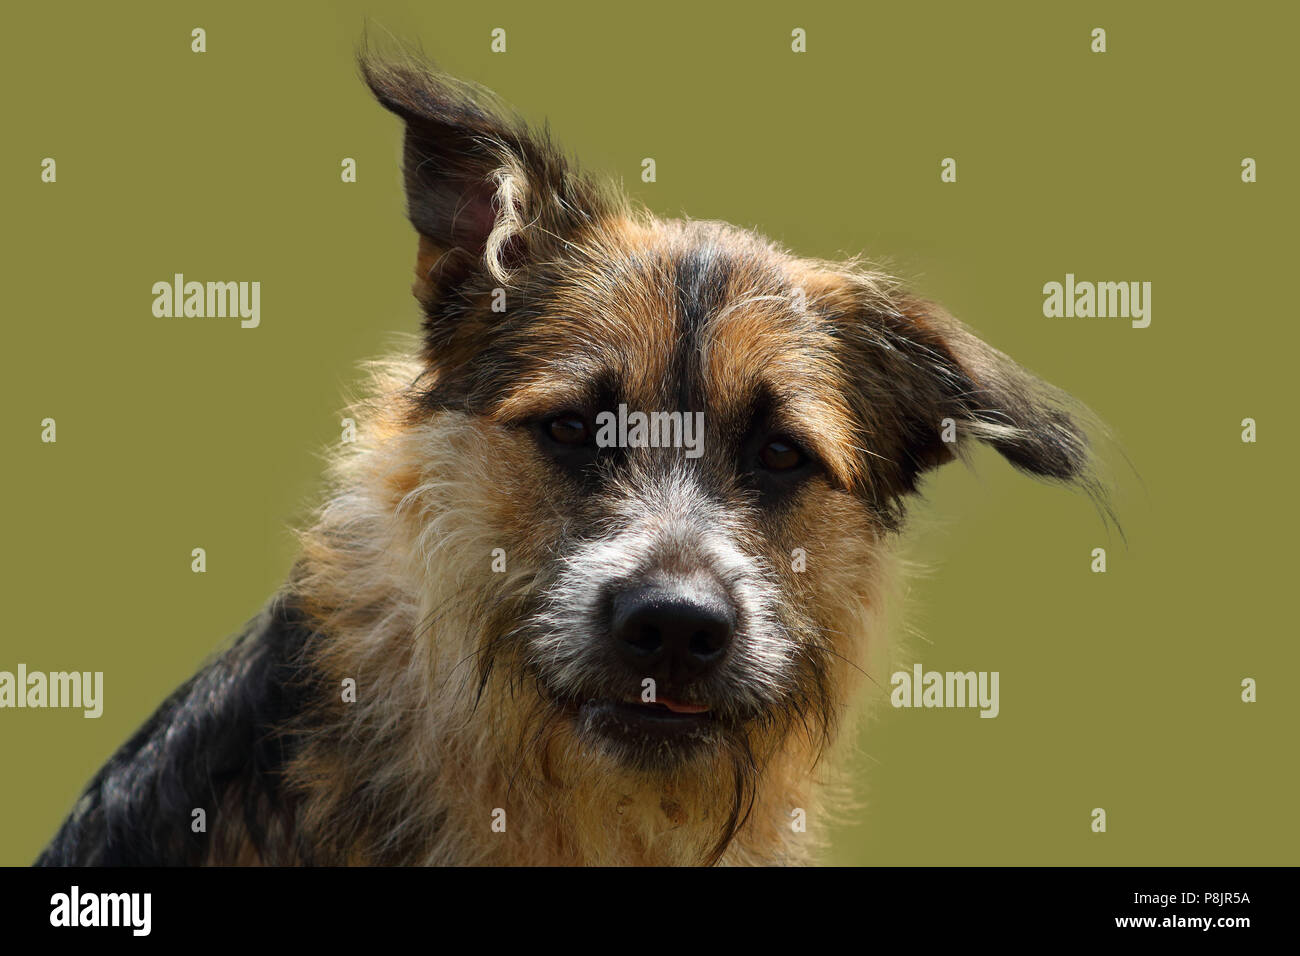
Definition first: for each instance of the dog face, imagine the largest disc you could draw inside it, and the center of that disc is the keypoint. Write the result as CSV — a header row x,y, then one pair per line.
x,y
699,590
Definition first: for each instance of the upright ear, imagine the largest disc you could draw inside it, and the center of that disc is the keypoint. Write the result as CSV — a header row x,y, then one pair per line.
x,y
484,193
943,387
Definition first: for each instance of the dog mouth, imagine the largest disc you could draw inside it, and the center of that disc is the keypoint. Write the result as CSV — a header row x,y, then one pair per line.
x,y
672,706
660,709
660,726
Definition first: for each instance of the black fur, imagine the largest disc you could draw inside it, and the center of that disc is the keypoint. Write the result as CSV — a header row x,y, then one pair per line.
x,y
219,743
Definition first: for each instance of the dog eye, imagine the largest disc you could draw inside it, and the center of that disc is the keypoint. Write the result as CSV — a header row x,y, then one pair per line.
x,y
781,455
568,430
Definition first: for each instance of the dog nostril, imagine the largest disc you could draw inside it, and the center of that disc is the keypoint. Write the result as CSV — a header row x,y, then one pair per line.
x,y
707,643
680,629
647,639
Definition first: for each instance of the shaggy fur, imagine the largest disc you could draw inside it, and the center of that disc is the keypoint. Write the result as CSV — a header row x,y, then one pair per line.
x,y
480,690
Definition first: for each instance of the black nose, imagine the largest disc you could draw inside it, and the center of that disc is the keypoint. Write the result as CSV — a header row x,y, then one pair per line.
x,y
680,631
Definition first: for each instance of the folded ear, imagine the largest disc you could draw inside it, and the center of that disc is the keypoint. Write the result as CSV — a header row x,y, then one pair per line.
x,y
482,190
943,387
1034,425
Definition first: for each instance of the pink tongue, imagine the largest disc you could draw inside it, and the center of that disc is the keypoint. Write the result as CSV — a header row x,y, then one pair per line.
x,y
677,708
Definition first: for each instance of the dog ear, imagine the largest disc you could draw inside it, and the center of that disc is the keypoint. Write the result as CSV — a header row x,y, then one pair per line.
x,y
940,386
483,191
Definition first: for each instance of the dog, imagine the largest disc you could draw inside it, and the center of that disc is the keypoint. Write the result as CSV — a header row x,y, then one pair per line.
x,y
532,623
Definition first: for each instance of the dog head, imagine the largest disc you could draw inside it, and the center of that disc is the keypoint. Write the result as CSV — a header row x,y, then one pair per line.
x,y
690,446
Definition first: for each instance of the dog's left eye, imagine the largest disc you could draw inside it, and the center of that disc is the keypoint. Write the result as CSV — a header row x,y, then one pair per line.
x,y
780,454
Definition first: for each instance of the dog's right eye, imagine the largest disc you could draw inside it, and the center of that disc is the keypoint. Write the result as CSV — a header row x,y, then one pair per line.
x,y
568,430
569,440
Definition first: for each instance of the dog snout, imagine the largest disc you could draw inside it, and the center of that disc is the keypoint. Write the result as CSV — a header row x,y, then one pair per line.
x,y
680,631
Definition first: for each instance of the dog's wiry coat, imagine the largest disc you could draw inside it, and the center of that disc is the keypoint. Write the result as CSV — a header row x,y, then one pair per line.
x,y
476,687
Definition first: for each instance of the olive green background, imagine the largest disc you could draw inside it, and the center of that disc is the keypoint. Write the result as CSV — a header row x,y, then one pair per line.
x,y
1118,690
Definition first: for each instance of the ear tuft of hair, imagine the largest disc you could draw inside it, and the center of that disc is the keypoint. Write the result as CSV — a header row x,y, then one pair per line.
x,y
485,192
